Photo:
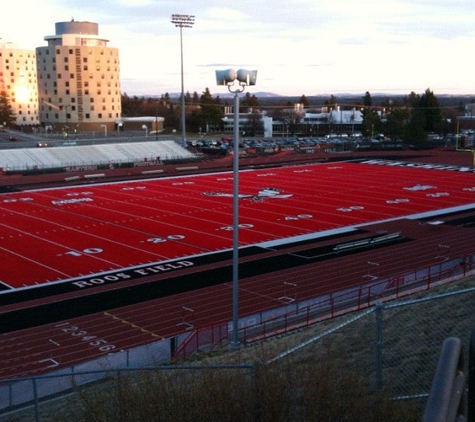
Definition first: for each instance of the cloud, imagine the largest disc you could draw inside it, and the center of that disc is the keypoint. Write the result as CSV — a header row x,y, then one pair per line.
x,y
296,45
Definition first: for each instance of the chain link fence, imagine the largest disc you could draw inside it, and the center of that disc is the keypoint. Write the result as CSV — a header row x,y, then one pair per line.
x,y
395,345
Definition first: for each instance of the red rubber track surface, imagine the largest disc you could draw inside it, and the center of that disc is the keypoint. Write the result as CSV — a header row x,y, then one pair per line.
x,y
60,234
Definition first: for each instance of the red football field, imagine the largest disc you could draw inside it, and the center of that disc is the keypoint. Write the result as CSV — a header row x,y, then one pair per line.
x,y
100,268
69,233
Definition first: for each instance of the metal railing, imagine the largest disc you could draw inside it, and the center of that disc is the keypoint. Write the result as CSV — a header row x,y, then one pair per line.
x,y
393,344
298,315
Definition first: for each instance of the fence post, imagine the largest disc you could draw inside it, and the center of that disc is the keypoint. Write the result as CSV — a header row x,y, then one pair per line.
x,y
379,345
471,379
37,404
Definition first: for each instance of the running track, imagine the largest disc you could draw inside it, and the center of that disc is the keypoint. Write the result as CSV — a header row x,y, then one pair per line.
x,y
69,236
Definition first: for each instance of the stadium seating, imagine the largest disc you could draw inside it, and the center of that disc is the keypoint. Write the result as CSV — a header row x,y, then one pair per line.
x,y
63,156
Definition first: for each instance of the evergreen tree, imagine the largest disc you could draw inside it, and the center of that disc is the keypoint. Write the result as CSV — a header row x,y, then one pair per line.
x,y
330,102
371,123
249,101
396,121
429,104
426,117
367,100
7,117
208,116
303,100
414,131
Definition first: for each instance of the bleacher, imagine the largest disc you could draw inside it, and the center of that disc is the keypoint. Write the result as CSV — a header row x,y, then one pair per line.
x,y
64,156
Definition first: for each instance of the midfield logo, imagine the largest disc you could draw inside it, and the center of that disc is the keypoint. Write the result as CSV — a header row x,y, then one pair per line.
x,y
261,195
421,187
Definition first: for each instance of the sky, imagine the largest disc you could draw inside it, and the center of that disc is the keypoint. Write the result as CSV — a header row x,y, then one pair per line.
x,y
298,47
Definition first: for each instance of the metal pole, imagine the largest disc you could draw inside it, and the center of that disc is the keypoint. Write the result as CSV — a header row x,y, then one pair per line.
x,y
183,21
235,340
183,128
379,345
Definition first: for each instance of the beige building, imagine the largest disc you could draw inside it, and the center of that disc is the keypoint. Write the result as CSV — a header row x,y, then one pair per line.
x,y
78,79
18,81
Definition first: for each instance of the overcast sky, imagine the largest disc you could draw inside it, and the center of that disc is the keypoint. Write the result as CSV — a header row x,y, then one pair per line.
x,y
299,47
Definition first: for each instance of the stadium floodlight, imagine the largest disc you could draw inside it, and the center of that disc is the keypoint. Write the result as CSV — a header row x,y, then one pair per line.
x,y
228,77
182,21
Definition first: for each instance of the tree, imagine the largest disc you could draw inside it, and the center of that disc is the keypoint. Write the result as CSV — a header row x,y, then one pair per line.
x,y
330,102
7,117
414,131
426,117
249,102
254,124
396,121
367,100
429,104
208,116
303,100
371,123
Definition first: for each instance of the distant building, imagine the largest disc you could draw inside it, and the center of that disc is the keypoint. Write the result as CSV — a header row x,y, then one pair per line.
x,y
78,79
245,119
18,81
467,120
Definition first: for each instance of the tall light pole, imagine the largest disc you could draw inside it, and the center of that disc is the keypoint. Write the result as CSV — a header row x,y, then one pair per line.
x,y
183,21
244,78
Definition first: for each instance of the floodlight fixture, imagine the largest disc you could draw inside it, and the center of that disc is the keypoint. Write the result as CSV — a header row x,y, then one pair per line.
x,y
229,76
183,21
